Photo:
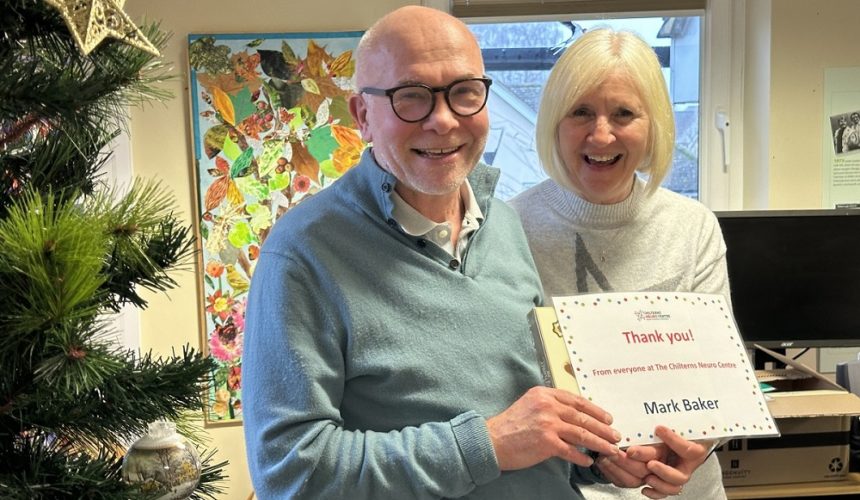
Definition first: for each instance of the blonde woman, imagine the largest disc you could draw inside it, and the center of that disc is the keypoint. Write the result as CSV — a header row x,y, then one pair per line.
x,y
605,137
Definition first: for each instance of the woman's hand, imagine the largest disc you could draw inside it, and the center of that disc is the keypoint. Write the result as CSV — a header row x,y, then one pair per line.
x,y
663,468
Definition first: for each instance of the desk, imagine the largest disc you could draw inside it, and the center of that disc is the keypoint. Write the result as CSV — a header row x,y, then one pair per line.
x,y
850,485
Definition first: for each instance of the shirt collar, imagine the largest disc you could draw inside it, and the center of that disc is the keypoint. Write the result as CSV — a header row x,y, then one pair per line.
x,y
416,224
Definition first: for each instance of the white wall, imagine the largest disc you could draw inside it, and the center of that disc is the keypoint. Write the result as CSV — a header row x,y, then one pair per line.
x,y
806,37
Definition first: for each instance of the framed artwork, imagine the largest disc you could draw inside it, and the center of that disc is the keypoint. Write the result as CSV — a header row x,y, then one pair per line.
x,y
271,126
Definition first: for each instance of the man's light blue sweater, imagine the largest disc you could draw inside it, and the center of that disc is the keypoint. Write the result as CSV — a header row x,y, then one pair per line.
x,y
371,360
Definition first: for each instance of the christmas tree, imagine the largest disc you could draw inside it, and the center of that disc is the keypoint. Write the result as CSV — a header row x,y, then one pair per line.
x,y
73,250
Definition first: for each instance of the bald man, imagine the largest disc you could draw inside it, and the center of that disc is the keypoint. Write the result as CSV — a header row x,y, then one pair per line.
x,y
387,352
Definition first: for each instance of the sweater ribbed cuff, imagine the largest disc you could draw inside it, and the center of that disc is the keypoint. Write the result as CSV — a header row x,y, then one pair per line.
x,y
473,438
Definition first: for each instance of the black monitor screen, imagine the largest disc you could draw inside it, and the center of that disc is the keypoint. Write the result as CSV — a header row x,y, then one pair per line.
x,y
795,276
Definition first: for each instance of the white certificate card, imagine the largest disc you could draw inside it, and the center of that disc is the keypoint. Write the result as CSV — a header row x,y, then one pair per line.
x,y
668,358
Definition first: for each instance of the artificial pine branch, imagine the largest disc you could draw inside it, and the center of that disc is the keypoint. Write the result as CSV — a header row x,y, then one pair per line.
x,y
48,88
211,476
59,376
45,75
147,240
40,469
131,392
50,262
65,162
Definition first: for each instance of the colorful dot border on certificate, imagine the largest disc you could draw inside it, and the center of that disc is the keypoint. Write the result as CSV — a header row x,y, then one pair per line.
x,y
568,306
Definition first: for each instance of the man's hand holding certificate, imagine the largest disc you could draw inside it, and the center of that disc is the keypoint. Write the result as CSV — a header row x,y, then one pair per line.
x,y
664,358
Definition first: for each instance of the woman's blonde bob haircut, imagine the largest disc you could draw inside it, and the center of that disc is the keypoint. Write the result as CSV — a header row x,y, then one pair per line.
x,y
580,70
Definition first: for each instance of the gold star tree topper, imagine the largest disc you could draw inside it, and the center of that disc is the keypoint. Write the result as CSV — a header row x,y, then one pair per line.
x,y
91,21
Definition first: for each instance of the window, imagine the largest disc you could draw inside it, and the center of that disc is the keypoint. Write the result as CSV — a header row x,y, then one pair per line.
x,y
519,56
696,43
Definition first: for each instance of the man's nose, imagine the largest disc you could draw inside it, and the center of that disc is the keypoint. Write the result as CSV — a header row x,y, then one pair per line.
x,y
442,119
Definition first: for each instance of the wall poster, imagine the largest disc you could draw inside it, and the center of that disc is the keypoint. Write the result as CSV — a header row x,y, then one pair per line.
x,y
841,180
271,126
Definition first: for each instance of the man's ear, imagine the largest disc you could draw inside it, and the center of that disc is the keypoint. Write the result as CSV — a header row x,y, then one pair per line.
x,y
358,110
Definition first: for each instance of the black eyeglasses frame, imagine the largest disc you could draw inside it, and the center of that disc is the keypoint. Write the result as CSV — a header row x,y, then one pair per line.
x,y
487,81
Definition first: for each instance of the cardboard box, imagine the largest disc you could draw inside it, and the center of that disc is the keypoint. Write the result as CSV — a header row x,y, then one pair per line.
x,y
813,415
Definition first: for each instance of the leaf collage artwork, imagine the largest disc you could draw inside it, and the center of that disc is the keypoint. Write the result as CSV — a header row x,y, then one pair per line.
x,y
271,127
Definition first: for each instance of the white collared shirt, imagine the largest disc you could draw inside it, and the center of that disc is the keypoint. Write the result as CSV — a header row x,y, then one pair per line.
x,y
439,233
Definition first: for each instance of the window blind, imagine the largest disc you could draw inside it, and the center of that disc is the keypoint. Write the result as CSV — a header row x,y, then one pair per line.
x,y
497,8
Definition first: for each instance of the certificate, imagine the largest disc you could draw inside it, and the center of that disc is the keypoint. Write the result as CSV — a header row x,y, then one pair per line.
x,y
674,359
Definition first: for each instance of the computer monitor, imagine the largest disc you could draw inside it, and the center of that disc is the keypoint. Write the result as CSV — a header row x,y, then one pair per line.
x,y
795,276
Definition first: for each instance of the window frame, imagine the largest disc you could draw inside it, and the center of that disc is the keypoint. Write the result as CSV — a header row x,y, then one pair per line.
x,y
119,176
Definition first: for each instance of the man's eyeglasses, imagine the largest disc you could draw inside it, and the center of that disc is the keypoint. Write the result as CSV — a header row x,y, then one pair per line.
x,y
413,103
